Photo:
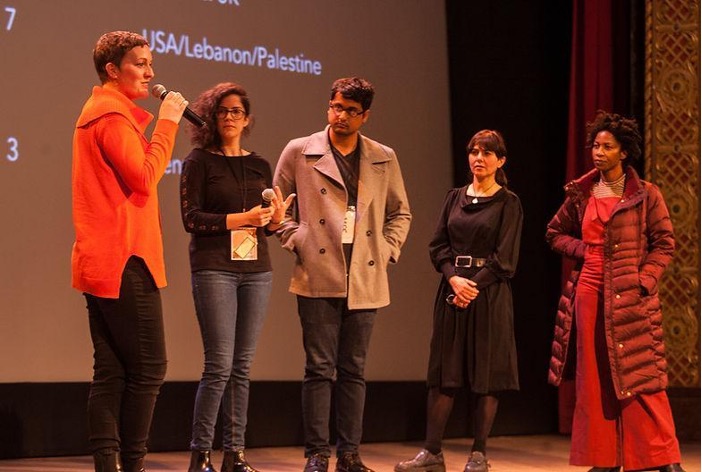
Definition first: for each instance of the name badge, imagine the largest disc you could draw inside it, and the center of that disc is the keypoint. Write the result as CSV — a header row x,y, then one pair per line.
x,y
244,244
349,225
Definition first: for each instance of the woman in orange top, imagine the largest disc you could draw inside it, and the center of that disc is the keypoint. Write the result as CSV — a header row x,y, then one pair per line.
x,y
118,254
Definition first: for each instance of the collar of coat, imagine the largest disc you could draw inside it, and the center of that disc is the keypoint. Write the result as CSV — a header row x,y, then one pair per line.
x,y
634,189
318,145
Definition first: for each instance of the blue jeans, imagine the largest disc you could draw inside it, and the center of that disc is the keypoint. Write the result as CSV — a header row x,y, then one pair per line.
x,y
336,341
230,308
130,363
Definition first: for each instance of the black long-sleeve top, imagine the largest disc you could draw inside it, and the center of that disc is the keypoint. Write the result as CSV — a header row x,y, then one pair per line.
x,y
211,186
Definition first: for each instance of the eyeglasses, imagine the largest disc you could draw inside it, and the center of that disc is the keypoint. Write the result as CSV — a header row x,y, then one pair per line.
x,y
237,113
351,111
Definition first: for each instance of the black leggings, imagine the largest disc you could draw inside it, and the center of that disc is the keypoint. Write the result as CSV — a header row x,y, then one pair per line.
x,y
439,406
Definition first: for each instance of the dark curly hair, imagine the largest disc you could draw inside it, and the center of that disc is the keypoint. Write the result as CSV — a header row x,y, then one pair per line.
x,y
111,47
356,89
490,140
624,130
206,106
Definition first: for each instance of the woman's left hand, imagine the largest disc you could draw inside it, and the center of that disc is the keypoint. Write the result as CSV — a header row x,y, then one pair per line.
x,y
465,290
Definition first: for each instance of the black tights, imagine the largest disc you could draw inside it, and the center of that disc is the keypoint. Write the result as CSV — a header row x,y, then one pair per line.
x,y
439,406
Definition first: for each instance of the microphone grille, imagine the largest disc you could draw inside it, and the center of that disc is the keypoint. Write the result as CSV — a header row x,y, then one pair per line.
x,y
267,195
158,90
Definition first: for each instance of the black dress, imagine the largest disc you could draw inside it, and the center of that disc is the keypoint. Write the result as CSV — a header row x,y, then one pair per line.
x,y
475,346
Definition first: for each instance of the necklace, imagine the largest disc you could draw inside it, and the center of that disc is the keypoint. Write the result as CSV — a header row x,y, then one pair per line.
x,y
475,198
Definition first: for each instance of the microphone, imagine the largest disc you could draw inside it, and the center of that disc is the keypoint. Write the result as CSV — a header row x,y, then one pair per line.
x,y
160,92
267,195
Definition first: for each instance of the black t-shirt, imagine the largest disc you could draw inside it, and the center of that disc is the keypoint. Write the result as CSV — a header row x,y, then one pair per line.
x,y
212,186
349,168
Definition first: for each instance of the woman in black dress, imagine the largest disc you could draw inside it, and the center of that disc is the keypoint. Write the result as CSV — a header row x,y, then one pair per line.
x,y
475,247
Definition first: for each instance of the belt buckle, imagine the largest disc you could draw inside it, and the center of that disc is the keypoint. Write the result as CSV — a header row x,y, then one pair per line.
x,y
458,260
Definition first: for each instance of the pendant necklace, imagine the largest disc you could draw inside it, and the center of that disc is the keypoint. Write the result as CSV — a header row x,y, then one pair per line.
x,y
475,198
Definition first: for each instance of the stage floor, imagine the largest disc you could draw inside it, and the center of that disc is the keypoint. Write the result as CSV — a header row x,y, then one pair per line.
x,y
506,454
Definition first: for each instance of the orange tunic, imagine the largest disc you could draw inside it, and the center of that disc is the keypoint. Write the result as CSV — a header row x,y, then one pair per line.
x,y
115,202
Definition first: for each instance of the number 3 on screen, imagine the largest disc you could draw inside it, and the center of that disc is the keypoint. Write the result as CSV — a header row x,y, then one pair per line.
x,y
13,155
10,17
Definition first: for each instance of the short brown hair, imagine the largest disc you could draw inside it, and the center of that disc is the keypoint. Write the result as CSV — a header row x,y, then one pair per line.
x,y
111,48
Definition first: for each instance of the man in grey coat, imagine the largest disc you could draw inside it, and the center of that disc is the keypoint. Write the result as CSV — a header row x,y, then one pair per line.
x,y
349,221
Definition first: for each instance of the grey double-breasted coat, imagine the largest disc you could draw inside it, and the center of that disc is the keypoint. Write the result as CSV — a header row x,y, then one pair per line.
x,y
313,230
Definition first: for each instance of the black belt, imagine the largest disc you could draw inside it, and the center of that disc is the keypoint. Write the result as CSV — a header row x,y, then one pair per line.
x,y
469,261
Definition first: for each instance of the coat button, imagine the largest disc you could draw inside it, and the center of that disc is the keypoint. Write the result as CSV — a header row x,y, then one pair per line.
x,y
321,221
616,246
620,346
322,251
371,263
617,296
323,191
628,394
369,232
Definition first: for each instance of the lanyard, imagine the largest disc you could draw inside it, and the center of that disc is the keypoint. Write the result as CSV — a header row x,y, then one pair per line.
x,y
242,185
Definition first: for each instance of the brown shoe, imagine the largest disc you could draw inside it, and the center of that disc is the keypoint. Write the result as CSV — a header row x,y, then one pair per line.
x,y
476,462
351,462
424,461
317,463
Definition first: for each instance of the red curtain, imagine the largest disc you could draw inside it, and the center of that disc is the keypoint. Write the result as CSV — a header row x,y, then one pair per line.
x,y
591,89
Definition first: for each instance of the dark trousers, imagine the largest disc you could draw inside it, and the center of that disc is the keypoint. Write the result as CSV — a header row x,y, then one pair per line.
x,y
336,342
129,363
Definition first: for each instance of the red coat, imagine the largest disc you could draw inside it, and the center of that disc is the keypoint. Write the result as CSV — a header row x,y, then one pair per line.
x,y
638,245
115,202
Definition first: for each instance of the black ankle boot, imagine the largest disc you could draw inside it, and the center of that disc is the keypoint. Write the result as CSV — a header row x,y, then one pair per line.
x,y
107,461
200,462
133,465
235,461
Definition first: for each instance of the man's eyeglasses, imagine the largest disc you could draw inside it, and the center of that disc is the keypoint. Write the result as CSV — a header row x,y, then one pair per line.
x,y
237,113
351,111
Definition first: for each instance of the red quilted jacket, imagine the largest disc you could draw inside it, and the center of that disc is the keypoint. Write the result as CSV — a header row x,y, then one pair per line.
x,y
639,243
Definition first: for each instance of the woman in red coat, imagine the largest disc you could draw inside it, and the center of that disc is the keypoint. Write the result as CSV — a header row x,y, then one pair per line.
x,y
618,230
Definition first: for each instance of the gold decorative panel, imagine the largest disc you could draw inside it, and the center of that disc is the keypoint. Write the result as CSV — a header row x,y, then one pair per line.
x,y
672,156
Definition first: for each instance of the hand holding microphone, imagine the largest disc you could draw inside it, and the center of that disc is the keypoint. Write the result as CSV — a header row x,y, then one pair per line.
x,y
274,197
174,106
